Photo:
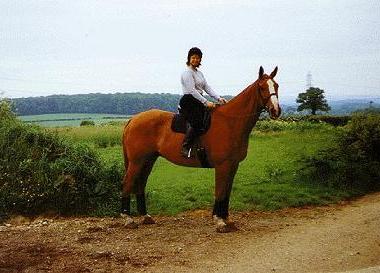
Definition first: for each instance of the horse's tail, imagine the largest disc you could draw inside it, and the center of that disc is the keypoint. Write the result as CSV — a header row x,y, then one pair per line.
x,y
125,146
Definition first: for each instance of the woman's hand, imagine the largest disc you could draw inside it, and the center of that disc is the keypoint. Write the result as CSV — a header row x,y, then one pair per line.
x,y
210,104
222,100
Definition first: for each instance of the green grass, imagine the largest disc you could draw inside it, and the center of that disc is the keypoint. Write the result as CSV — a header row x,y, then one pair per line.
x,y
266,180
70,120
99,136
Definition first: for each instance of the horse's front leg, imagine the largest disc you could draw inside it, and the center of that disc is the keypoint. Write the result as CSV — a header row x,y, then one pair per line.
x,y
224,176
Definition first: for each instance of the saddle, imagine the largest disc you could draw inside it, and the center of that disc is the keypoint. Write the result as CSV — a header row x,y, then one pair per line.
x,y
180,125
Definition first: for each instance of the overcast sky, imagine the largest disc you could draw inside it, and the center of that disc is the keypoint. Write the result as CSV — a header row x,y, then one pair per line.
x,y
108,46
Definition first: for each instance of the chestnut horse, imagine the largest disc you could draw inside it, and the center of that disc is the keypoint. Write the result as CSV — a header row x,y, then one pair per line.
x,y
149,135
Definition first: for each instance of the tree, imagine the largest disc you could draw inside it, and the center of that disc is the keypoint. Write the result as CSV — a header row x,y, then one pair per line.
x,y
313,99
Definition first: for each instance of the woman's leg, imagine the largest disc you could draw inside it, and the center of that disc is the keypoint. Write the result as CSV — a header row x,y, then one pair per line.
x,y
194,112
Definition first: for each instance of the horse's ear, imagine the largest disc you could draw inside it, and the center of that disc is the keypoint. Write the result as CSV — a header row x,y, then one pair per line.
x,y
274,72
261,72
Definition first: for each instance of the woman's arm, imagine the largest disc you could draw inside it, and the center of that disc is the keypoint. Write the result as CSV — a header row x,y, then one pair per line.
x,y
210,91
213,94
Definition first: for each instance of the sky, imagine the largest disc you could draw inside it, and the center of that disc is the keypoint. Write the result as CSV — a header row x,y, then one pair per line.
x,y
88,46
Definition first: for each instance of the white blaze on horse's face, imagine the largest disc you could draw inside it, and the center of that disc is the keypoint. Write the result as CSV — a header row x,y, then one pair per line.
x,y
273,98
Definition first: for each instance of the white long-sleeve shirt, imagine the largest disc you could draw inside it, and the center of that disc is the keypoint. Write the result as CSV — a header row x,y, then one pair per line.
x,y
194,83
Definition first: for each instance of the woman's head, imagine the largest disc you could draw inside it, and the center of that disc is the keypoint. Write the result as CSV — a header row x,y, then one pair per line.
x,y
194,57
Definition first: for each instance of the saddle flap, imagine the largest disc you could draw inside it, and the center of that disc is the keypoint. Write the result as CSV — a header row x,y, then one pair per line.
x,y
179,123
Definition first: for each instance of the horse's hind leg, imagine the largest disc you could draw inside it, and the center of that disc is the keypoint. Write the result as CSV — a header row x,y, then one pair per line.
x,y
140,190
130,177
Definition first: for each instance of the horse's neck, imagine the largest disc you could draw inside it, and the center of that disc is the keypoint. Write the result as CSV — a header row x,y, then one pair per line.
x,y
244,109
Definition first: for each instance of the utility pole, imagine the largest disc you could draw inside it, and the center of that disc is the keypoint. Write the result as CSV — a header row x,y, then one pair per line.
x,y
308,80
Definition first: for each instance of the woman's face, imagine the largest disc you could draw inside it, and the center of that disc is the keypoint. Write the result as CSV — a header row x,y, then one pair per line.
x,y
195,60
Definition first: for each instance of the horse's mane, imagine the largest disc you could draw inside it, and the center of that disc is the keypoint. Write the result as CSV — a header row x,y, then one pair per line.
x,y
245,93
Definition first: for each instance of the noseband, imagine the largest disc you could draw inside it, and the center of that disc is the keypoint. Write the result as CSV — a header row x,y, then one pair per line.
x,y
265,101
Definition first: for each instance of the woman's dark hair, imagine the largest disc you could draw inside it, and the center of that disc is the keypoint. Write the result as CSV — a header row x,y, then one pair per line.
x,y
193,51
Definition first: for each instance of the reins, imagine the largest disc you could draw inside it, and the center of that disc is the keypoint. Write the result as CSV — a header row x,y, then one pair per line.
x,y
257,113
242,116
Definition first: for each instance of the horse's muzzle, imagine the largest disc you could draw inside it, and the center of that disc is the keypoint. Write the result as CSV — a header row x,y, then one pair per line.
x,y
274,113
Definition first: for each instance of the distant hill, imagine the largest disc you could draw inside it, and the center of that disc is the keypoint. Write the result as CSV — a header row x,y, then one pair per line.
x,y
347,106
339,106
132,103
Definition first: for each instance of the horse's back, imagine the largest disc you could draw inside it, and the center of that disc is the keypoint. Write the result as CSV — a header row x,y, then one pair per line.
x,y
145,131
150,119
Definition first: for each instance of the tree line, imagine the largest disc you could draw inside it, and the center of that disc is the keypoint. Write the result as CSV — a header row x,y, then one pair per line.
x,y
312,101
131,103
119,103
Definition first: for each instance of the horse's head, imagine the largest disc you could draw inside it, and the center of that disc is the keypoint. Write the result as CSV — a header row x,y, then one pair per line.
x,y
268,89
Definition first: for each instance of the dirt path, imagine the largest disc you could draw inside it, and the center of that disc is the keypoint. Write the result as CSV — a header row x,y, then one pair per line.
x,y
339,238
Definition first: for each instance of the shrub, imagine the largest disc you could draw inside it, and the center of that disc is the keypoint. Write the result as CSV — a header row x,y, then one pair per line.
x,y
115,123
6,113
268,125
333,120
39,171
87,123
354,161
271,125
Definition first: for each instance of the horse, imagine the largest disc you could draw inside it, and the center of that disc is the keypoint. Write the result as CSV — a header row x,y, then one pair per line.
x,y
148,135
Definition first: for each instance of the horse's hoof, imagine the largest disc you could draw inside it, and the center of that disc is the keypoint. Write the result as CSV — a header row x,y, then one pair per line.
x,y
224,229
129,223
148,220
224,226
221,225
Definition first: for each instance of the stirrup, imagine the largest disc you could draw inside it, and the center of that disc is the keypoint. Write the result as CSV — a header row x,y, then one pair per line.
x,y
186,153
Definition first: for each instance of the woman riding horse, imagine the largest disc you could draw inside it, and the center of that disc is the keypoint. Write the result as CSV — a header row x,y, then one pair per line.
x,y
193,104
148,135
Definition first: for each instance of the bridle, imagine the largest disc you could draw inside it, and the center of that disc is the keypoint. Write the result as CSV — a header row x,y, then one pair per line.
x,y
260,108
265,100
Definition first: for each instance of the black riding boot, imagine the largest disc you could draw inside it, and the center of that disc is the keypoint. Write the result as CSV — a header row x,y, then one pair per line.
x,y
190,136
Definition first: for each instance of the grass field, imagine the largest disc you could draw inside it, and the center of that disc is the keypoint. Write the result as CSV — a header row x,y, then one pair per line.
x,y
88,166
71,120
267,179
97,136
